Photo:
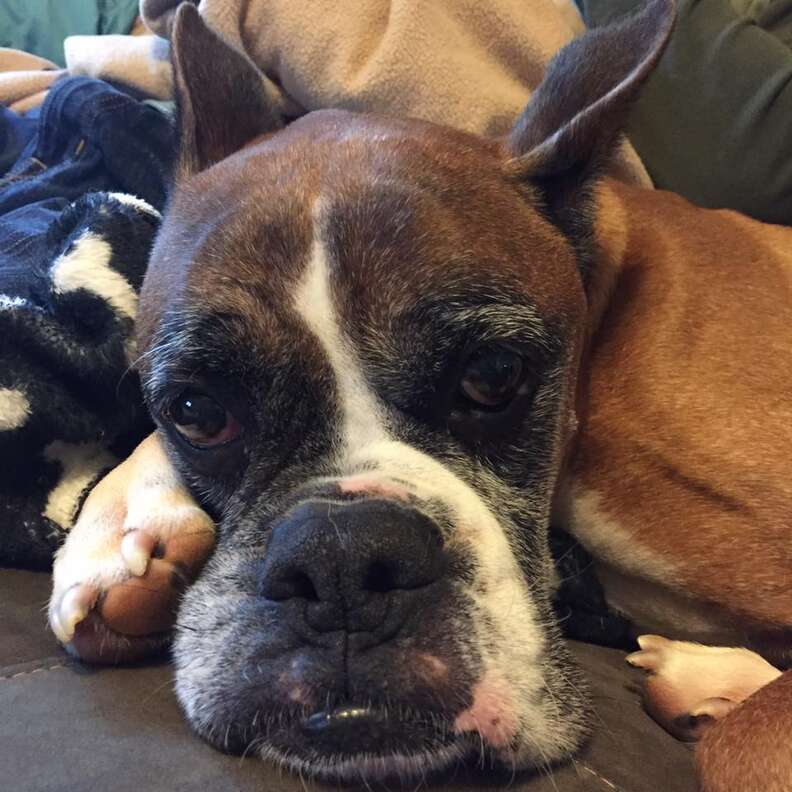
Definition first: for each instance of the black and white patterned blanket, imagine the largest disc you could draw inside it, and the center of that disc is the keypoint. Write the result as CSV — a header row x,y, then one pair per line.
x,y
82,180
70,407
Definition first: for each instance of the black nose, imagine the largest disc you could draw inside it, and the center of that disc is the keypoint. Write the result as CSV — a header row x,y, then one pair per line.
x,y
339,557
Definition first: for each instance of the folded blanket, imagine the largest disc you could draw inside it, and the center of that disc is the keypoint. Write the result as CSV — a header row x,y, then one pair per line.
x,y
464,63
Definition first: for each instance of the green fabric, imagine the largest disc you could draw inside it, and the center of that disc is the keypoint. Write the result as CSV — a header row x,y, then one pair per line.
x,y
714,121
771,15
750,8
117,16
774,16
39,26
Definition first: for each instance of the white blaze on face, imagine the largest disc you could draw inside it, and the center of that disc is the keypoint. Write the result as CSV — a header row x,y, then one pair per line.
x,y
511,700
362,418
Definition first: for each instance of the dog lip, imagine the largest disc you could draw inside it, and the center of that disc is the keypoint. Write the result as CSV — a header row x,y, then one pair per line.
x,y
353,730
330,719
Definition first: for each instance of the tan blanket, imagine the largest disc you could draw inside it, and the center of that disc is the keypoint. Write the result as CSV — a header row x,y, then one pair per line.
x,y
25,78
470,64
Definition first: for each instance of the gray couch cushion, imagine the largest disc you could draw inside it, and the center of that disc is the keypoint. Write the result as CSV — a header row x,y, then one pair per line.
x,y
65,726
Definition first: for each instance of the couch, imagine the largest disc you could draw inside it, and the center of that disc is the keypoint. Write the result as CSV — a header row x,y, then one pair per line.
x,y
68,727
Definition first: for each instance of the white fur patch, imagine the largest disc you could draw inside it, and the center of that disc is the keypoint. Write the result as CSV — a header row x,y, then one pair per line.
x,y
607,539
81,464
363,421
14,409
85,266
135,202
638,582
7,302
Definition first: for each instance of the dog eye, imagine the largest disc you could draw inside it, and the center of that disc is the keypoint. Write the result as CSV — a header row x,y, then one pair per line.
x,y
202,420
492,377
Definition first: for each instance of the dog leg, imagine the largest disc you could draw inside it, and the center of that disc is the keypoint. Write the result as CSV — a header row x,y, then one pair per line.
x,y
749,750
117,578
689,686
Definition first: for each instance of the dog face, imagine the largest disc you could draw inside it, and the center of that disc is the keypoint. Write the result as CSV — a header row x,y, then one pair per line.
x,y
401,385
360,338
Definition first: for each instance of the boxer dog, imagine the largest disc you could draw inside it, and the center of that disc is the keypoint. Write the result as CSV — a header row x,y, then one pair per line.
x,y
380,353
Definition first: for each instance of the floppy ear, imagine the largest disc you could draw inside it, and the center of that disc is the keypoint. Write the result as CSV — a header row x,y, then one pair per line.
x,y
221,96
573,122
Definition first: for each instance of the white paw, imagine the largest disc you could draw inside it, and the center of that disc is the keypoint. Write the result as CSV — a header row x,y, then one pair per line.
x,y
689,686
117,579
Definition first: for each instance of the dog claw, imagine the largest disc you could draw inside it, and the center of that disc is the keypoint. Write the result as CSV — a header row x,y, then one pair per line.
x,y
646,659
653,642
714,708
137,548
72,609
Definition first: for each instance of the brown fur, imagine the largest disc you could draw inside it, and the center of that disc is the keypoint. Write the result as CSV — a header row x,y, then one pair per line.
x,y
686,423
748,751
686,426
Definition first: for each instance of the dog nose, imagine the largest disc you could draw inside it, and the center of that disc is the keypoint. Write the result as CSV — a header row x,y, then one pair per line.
x,y
338,557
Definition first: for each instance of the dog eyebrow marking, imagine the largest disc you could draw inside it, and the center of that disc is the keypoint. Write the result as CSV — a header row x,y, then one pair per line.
x,y
363,416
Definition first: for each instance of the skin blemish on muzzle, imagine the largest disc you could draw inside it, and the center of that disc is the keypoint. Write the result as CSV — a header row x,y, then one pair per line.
x,y
491,715
431,666
374,487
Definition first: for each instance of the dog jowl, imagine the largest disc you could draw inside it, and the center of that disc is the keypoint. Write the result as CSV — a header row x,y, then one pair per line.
x,y
360,339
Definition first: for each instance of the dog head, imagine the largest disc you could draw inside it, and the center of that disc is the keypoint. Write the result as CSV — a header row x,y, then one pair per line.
x,y
360,339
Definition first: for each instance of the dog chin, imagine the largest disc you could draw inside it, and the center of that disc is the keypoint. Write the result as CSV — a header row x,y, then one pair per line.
x,y
465,753
371,767
428,748
388,744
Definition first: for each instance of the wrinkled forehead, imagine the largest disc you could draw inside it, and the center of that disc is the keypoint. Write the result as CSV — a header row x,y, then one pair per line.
x,y
400,218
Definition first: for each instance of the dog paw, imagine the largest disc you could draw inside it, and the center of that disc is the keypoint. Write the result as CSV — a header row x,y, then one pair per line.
x,y
117,579
690,686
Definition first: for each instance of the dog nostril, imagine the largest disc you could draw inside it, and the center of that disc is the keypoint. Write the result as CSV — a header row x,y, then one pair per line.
x,y
380,578
304,588
294,584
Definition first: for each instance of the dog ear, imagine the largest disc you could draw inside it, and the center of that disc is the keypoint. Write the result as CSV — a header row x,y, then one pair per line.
x,y
573,122
221,96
